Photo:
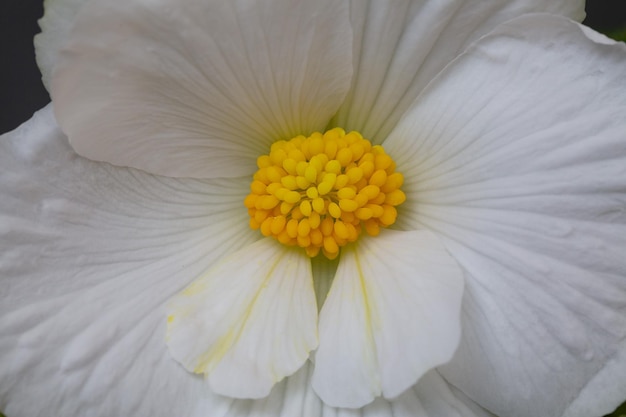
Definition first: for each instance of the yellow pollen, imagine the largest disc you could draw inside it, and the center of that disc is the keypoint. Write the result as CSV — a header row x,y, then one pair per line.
x,y
320,192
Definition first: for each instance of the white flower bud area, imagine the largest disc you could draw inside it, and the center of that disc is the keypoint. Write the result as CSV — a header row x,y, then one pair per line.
x,y
320,192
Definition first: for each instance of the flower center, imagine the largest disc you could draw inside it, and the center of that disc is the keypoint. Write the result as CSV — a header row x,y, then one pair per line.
x,y
320,192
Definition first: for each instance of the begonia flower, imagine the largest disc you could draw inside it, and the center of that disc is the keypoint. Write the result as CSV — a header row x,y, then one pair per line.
x,y
295,207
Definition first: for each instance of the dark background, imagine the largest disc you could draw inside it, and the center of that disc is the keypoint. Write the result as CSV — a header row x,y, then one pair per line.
x,y
21,91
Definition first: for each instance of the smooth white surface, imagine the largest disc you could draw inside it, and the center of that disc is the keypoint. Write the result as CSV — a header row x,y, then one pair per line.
x,y
200,88
516,158
400,45
248,322
392,314
89,255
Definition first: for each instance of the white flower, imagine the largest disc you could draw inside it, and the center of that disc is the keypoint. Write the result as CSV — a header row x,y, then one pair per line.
x,y
500,287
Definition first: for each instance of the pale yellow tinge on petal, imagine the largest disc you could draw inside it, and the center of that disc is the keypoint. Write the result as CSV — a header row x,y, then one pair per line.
x,y
248,322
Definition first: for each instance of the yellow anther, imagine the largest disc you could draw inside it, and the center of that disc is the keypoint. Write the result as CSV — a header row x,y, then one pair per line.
x,y
304,227
330,245
257,187
292,197
324,187
289,165
310,174
368,168
312,250
301,167
305,207
342,181
333,166
395,198
327,226
364,213
319,161
266,227
378,178
289,182
296,155
383,161
304,241
341,229
250,200
273,188
357,150
314,220
330,149
278,156
348,217
269,202
389,215
372,227
316,146
278,224
334,210
344,156
354,174
292,228
302,182
274,173
317,238
371,191
377,210
318,205
285,208
348,205
394,181
346,193
281,193
260,215
320,192
263,161
312,193
361,199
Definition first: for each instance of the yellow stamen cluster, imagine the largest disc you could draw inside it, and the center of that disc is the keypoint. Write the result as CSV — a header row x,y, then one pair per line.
x,y
319,192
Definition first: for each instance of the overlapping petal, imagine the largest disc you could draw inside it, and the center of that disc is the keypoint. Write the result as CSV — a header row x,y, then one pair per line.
x,y
392,314
200,88
517,160
89,255
56,25
248,322
294,396
400,45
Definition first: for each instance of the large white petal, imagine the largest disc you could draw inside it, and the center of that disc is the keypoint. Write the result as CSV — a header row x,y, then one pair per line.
x,y
516,156
400,45
89,255
249,321
55,25
198,88
392,314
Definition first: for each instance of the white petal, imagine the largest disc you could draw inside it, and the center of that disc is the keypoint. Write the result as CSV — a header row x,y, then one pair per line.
x,y
401,45
391,315
197,88
89,254
294,397
55,25
432,396
516,157
248,322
